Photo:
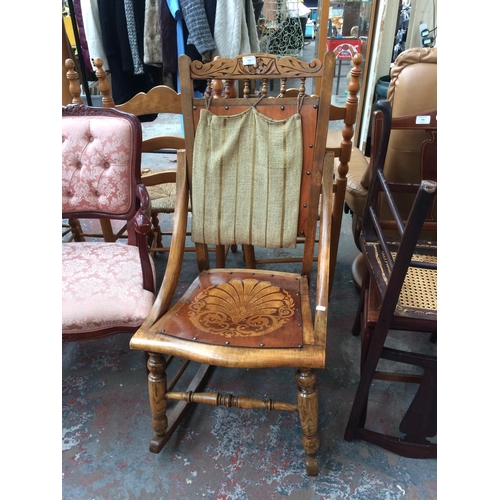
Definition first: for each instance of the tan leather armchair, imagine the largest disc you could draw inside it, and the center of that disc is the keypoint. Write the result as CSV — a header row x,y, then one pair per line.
x,y
412,89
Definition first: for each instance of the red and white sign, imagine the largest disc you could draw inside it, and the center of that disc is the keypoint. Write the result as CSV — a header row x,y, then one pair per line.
x,y
345,48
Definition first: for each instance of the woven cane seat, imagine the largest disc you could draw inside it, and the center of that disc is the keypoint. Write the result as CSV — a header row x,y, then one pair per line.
x,y
418,294
162,196
420,287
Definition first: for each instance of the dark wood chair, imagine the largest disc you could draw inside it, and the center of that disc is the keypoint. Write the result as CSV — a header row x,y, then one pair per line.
x,y
399,289
254,169
107,287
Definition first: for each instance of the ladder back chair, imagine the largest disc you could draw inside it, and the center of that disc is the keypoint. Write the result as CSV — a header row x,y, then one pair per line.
x,y
107,287
160,184
399,289
254,170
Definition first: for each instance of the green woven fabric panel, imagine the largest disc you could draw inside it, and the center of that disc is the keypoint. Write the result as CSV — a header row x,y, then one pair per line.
x,y
246,179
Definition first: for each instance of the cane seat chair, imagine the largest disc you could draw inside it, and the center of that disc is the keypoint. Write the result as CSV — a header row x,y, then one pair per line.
x,y
399,292
107,287
254,169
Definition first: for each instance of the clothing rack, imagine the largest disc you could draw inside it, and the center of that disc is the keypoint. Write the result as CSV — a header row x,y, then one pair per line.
x,y
79,52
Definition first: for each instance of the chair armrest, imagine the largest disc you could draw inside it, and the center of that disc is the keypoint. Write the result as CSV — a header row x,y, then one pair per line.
x,y
174,263
324,249
142,219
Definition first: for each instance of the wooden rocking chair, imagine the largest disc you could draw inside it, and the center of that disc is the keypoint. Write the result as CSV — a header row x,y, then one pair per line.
x,y
254,170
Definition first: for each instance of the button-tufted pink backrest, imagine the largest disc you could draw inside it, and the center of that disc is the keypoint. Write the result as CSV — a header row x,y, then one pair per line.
x,y
97,152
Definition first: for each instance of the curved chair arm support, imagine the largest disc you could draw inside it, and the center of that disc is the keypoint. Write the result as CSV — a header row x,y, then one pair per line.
x,y
142,226
142,219
174,264
324,276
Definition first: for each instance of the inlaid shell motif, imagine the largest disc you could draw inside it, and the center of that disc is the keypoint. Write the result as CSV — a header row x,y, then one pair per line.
x,y
241,308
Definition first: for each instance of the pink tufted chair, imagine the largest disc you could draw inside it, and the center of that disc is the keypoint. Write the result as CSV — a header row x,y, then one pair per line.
x,y
106,287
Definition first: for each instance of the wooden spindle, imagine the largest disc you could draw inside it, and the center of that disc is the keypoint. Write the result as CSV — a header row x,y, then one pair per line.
x,y
264,86
230,89
283,87
246,87
104,86
302,89
217,88
74,84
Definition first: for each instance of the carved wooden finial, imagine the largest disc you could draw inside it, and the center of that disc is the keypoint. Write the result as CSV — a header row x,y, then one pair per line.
x,y
74,83
104,87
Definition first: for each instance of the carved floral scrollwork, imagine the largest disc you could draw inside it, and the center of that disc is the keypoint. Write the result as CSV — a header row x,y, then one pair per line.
x,y
241,308
265,64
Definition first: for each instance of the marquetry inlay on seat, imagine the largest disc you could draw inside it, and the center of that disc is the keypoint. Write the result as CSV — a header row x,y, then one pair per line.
x,y
240,309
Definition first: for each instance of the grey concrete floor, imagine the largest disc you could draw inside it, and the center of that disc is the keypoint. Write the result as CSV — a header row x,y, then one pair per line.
x,y
221,453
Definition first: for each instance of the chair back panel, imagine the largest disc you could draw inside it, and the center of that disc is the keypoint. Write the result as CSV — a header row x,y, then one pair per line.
x,y
246,179
287,108
311,112
100,163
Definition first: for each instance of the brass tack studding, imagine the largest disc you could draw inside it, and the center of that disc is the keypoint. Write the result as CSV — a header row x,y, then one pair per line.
x,y
299,324
282,108
261,345
227,342
300,346
308,173
161,331
311,145
195,338
227,107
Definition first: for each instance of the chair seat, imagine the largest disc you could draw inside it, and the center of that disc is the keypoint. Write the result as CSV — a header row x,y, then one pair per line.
x,y
102,287
418,297
260,311
162,198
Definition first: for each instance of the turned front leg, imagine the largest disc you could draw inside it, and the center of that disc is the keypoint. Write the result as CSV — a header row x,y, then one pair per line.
x,y
307,400
157,385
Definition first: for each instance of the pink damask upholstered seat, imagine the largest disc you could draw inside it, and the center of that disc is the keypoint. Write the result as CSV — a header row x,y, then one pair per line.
x,y
106,287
